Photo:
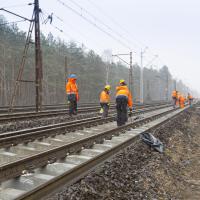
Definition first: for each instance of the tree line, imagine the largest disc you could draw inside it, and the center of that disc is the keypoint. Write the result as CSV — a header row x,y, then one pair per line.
x,y
89,67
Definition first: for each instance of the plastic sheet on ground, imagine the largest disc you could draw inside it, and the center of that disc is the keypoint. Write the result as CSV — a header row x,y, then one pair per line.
x,y
152,141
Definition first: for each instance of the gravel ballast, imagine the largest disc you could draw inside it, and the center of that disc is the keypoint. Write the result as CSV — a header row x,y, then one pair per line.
x,y
139,172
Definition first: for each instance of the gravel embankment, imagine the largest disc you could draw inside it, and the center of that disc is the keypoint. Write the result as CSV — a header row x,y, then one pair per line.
x,y
142,173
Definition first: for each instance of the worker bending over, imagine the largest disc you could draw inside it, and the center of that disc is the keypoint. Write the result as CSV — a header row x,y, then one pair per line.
x,y
72,94
174,97
181,101
105,101
123,98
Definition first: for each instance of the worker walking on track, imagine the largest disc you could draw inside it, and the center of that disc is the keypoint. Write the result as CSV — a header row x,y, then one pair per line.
x,y
105,101
190,99
174,97
123,99
72,94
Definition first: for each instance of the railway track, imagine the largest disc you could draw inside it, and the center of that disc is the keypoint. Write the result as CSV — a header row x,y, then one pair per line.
x,y
53,113
41,166
5,109
48,113
24,136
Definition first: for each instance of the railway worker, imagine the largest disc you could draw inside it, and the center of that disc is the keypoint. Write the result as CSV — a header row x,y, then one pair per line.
x,y
123,99
72,94
190,99
177,98
105,100
181,101
174,97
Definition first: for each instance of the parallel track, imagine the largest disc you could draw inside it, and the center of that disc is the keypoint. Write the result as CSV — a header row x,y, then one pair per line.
x,y
52,155
8,140
24,136
5,109
53,113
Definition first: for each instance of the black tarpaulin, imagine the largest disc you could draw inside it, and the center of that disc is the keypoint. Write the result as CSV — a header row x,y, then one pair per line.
x,y
152,141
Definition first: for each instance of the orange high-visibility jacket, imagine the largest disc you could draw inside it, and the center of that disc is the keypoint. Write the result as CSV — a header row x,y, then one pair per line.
x,y
72,88
182,99
104,97
174,94
124,91
190,97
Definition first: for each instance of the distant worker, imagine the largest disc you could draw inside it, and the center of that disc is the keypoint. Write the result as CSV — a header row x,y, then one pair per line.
x,y
105,100
190,99
178,94
123,98
174,97
181,101
72,94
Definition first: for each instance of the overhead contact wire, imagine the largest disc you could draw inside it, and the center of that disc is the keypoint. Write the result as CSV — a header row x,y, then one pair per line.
x,y
94,24
97,19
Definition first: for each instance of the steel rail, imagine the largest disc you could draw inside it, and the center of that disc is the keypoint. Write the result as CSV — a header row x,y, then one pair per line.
x,y
4,109
76,173
28,115
17,109
41,159
27,135
25,115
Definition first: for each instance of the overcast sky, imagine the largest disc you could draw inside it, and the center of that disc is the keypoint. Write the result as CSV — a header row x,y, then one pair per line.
x,y
170,29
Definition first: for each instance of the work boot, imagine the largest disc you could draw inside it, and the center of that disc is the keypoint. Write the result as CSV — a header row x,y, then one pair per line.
x,y
119,124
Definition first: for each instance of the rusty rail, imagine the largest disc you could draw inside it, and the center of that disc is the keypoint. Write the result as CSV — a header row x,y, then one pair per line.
x,y
24,136
15,169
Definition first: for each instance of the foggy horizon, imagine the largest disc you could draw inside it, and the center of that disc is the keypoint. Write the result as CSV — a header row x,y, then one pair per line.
x,y
168,28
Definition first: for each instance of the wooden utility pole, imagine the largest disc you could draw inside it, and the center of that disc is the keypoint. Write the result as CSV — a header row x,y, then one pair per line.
x,y
142,76
141,79
34,22
167,87
38,58
131,73
66,68
175,84
66,72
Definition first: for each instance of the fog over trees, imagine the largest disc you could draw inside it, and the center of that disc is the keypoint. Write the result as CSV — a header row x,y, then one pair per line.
x,y
90,68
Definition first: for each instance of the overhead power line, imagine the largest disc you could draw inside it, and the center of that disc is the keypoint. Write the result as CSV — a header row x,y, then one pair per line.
x,y
15,22
18,5
116,23
15,14
100,21
68,35
80,33
124,29
94,24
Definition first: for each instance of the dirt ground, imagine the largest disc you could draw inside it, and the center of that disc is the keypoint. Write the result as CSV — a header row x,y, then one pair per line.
x,y
139,172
